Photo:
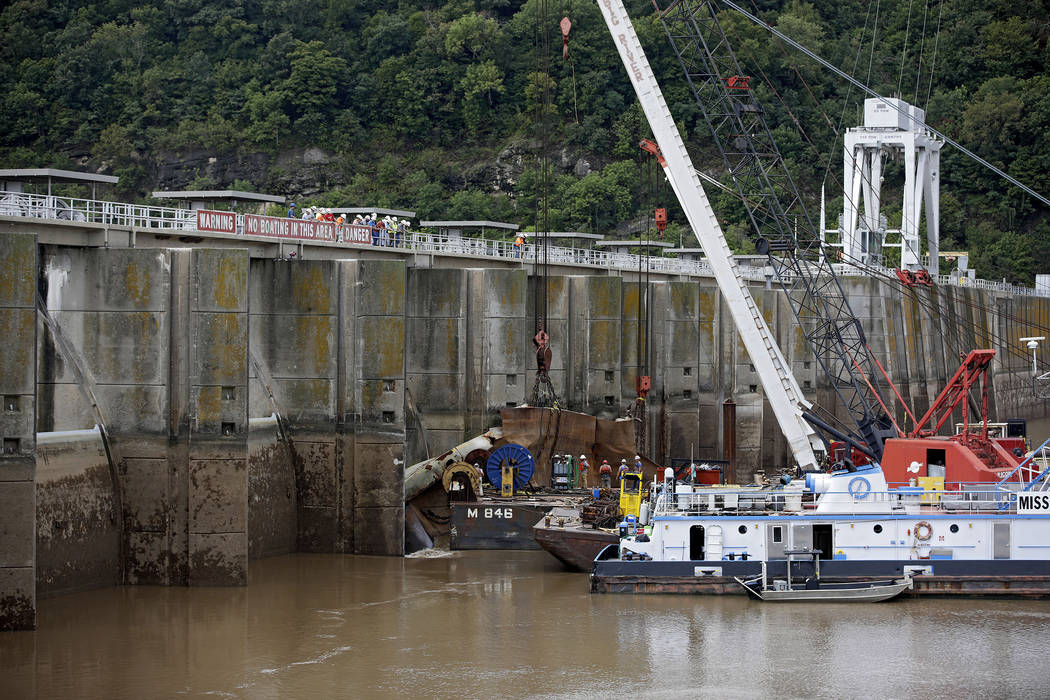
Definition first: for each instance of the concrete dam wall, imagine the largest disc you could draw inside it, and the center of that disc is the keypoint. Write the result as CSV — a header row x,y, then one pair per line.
x,y
170,414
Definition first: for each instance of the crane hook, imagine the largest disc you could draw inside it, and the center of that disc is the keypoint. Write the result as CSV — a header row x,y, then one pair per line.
x,y
566,25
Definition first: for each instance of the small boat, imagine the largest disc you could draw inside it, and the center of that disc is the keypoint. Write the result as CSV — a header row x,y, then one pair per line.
x,y
814,590
854,592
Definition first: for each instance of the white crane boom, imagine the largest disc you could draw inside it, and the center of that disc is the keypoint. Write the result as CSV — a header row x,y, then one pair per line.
x,y
781,389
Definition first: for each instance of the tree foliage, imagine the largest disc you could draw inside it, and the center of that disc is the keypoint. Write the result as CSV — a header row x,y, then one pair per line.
x,y
434,104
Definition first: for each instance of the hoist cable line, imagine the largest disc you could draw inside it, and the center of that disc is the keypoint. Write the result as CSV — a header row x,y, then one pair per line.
x,y
794,119
845,102
798,73
922,48
955,319
842,74
944,309
874,33
904,48
933,64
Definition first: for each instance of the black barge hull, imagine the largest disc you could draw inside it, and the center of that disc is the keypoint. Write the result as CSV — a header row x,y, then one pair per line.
x,y
941,577
495,525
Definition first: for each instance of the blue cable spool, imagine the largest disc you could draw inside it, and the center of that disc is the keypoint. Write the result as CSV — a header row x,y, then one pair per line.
x,y
513,455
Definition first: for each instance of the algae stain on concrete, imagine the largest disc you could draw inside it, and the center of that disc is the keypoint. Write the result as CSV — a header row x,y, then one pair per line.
x,y
137,284
310,290
209,404
230,281
313,338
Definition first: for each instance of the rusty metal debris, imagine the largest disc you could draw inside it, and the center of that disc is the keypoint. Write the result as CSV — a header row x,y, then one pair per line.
x,y
603,512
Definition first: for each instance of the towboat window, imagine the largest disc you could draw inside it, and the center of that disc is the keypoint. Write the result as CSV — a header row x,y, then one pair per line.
x,y
878,529
778,534
742,529
954,528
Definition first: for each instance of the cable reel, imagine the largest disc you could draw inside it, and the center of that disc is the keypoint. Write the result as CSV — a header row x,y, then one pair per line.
x,y
514,460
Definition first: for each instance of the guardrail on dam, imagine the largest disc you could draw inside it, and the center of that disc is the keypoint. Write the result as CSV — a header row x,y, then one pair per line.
x,y
248,406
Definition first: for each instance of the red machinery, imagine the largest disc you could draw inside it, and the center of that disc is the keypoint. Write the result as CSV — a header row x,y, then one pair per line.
x,y
970,455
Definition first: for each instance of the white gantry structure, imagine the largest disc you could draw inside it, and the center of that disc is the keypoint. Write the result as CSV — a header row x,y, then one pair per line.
x,y
892,128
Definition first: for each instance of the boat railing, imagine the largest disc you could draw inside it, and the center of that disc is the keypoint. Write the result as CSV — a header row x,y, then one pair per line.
x,y
982,498
1032,472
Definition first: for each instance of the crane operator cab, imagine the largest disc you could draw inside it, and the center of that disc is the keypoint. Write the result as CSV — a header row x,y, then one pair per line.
x,y
631,494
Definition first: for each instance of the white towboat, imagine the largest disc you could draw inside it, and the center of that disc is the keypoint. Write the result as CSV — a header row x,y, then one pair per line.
x,y
979,539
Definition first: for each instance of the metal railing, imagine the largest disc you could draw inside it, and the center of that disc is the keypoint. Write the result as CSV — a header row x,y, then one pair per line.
x,y
142,216
1031,474
982,498
96,211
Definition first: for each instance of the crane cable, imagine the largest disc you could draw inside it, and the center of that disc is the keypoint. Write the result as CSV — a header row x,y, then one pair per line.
x,y
933,65
543,392
954,318
904,48
922,48
874,33
842,74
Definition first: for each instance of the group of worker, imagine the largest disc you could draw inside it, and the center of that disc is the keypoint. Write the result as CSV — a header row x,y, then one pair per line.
x,y
386,232
315,214
605,470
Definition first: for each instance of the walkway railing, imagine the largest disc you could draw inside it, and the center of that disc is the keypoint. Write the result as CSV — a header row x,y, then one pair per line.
x,y
142,216
95,211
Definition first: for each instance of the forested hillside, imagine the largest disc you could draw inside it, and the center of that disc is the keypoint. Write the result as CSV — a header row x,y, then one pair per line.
x,y
434,107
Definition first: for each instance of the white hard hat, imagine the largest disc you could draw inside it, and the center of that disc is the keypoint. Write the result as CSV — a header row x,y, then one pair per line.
x,y
583,456
637,457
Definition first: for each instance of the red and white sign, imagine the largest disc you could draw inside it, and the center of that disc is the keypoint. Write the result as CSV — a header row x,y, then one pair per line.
x,y
361,235
275,227
218,221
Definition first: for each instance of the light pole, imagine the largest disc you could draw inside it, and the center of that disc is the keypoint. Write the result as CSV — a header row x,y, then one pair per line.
x,y
1033,345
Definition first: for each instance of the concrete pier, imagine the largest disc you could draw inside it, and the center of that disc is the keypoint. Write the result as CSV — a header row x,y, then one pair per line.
x,y
18,566
172,413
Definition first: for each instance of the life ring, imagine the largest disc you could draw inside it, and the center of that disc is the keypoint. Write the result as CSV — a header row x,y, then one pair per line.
x,y
923,531
859,487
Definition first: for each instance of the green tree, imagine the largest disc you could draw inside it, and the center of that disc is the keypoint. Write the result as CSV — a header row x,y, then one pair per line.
x,y
473,35
313,86
481,83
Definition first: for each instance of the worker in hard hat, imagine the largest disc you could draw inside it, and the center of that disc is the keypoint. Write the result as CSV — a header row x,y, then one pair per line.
x,y
605,472
638,464
623,469
583,467
291,211
519,243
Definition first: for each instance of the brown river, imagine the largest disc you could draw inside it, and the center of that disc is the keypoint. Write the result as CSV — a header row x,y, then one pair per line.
x,y
508,624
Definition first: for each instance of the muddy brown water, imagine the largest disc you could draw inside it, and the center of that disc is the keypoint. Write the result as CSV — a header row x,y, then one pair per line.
x,y
507,624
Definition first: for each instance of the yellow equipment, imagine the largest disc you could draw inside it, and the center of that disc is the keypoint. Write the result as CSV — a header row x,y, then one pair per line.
x,y
631,494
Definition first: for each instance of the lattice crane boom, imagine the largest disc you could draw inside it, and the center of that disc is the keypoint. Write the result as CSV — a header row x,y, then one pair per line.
x,y
785,232
781,388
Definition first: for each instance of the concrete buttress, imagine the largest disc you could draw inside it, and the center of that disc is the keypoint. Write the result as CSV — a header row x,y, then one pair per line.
x,y
18,265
